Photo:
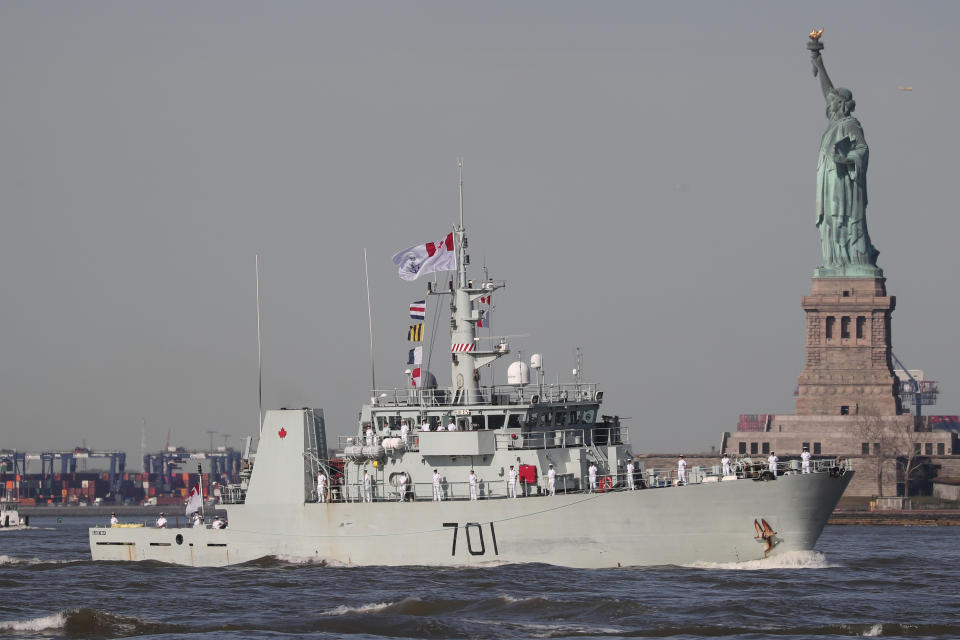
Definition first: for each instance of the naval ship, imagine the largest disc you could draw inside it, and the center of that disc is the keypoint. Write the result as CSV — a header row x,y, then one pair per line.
x,y
418,445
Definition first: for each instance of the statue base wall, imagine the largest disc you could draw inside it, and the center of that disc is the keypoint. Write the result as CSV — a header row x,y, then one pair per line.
x,y
848,367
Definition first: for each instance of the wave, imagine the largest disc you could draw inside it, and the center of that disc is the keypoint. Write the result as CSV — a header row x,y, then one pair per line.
x,y
52,621
14,560
789,560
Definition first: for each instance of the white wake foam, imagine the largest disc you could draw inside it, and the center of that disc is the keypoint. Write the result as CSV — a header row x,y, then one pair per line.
x,y
53,621
873,631
789,560
344,610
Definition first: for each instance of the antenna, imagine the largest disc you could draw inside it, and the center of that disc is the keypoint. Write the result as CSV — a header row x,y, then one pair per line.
x,y
259,357
366,275
211,432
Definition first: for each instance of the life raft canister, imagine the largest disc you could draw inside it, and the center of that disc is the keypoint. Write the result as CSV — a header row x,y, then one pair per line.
x,y
606,483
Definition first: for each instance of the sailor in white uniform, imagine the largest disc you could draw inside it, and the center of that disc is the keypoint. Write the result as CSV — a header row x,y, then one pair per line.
x,y
425,426
552,481
437,493
114,521
218,523
404,432
321,487
805,460
681,471
512,483
369,436
451,426
630,484
473,485
772,463
197,519
161,521
725,463
402,486
367,487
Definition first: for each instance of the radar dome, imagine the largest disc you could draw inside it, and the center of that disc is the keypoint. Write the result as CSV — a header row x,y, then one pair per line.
x,y
427,381
536,361
518,373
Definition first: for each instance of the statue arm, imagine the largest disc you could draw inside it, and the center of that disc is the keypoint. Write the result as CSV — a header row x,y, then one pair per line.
x,y
821,71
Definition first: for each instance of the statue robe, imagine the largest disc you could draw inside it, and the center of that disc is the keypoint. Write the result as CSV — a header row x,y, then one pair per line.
x,y
842,196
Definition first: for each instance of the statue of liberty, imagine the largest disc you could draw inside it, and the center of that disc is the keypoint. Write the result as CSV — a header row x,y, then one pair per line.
x,y
842,183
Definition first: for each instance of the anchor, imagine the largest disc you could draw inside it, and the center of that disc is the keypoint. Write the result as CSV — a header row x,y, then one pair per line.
x,y
765,534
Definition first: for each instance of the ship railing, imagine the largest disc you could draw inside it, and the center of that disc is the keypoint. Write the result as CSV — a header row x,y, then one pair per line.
x,y
233,494
744,468
563,438
494,394
390,444
424,491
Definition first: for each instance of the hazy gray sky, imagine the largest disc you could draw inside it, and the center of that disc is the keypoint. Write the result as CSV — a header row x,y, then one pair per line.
x,y
641,173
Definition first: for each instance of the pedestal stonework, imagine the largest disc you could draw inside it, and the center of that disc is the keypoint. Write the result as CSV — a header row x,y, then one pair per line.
x,y
848,367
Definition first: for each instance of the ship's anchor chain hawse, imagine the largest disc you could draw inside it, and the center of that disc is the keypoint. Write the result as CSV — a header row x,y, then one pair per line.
x,y
765,534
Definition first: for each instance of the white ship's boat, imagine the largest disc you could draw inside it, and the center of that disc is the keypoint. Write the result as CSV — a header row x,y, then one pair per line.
x,y
10,517
748,514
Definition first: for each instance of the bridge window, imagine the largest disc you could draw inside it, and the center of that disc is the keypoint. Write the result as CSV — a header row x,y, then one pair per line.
x,y
477,422
495,421
514,421
532,418
561,418
589,415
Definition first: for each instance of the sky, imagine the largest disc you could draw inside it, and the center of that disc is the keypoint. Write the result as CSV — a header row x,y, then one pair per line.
x,y
642,174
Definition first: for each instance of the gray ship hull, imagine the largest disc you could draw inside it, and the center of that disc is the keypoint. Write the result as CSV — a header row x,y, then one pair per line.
x,y
710,522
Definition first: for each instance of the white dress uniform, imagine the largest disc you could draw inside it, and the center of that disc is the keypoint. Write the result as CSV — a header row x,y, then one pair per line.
x,y
217,523
682,471
473,485
452,426
630,484
512,483
772,464
369,436
425,426
805,458
161,522
321,488
725,462
403,486
197,520
437,479
114,521
367,487
552,481
592,473
404,432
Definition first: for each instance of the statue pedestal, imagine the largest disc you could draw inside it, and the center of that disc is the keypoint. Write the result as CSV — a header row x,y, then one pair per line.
x,y
848,366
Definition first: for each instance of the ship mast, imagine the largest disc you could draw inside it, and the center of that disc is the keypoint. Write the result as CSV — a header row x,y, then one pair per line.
x,y
465,358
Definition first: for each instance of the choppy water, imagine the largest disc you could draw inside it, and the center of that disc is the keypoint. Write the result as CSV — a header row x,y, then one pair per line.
x,y
864,581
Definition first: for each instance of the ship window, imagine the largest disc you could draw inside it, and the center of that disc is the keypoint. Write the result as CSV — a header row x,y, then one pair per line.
x,y
546,419
830,322
395,422
589,415
477,422
381,423
531,418
865,448
816,448
929,448
743,447
753,447
495,421
561,418
845,327
513,421
766,447
940,448
434,423
861,324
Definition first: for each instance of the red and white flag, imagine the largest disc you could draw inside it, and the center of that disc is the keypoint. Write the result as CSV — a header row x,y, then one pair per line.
x,y
426,258
194,501
415,377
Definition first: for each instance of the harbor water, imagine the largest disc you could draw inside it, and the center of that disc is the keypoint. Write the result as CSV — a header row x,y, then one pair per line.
x,y
863,581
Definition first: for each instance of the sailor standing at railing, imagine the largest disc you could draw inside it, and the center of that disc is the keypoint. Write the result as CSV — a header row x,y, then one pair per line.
x,y
369,435
725,463
772,463
681,471
552,481
402,486
161,521
404,432
805,460
367,487
473,485
425,426
512,483
630,483
592,473
437,479
114,521
451,426
321,487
